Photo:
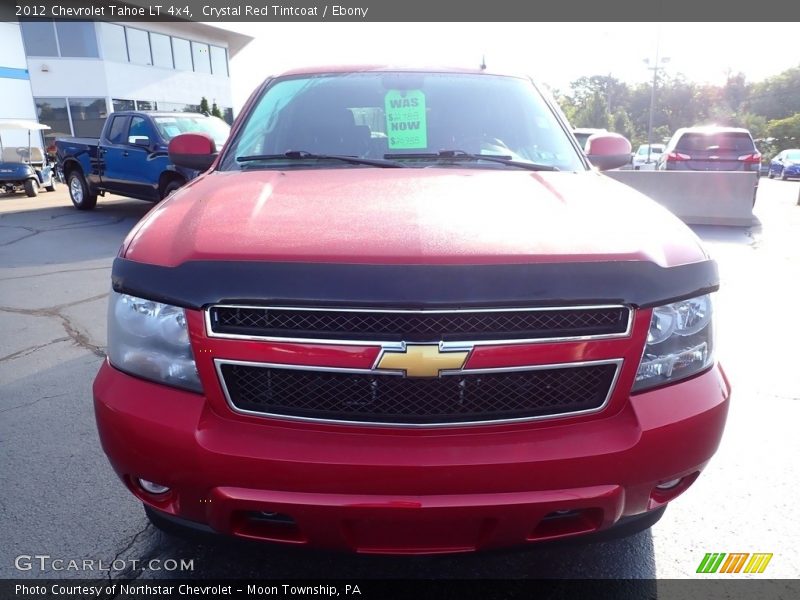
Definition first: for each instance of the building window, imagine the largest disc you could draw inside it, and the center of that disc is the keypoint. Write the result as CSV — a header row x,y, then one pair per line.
x,y
145,105
39,38
162,50
202,62
119,104
219,61
53,112
183,54
113,41
138,46
178,107
88,116
77,39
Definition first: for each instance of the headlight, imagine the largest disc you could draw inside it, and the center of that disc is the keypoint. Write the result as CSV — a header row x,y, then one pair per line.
x,y
151,340
679,343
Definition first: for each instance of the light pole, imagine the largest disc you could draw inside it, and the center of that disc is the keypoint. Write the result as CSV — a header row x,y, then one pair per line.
x,y
655,68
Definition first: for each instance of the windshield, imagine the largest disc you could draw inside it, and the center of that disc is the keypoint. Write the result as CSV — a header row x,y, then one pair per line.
x,y
408,117
793,155
736,142
171,126
654,149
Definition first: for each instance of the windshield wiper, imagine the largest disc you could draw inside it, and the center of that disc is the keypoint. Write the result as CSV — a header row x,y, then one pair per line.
x,y
303,155
461,155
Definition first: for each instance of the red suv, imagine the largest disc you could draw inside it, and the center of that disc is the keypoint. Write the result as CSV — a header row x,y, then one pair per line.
x,y
402,313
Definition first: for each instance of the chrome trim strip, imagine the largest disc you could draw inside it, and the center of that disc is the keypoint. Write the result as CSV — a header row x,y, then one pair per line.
x,y
445,346
218,362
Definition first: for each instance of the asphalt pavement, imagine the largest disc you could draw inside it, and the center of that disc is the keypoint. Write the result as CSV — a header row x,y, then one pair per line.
x,y
60,497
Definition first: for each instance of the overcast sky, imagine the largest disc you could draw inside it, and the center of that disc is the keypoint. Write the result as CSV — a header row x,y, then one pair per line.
x,y
554,53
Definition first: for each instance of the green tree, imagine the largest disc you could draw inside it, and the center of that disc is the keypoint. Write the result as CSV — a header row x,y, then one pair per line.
x,y
776,97
204,106
785,131
755,124
593,113
215,111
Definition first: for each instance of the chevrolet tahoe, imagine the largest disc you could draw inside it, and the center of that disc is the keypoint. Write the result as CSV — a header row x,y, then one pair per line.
x,y
403,312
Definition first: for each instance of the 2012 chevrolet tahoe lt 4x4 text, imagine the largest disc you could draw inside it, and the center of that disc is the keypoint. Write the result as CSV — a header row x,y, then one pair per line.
x,y
402,313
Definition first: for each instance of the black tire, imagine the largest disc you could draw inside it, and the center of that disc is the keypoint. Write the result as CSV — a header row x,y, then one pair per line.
x,y
31,188
79,191
52,186
172,186
769,174
783,175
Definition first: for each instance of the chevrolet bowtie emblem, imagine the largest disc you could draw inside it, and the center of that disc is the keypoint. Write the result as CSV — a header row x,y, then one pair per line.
x,y
422,360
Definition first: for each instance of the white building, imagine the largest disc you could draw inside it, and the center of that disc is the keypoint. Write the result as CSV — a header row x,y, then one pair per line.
x,y
71,74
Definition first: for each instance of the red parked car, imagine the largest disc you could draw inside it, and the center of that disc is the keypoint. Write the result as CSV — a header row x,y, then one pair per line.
x,y
402,313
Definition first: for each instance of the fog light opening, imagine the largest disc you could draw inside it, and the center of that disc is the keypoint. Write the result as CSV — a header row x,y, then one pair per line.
x,y
669,490
152,488
668,485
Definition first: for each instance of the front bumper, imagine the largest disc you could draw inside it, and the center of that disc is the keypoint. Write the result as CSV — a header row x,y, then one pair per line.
x,y
389,490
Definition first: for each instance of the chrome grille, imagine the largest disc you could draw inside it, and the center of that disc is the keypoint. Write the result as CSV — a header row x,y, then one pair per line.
x,y
466,397
417,326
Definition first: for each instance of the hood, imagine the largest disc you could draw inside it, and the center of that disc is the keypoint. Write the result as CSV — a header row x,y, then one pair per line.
x,y
410,216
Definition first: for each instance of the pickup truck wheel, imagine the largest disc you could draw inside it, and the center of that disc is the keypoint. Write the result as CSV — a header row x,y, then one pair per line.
x,y
31,188
171,187
79,192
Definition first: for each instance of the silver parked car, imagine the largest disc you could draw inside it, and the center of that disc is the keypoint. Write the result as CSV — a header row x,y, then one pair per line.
x,y
647,156
710,149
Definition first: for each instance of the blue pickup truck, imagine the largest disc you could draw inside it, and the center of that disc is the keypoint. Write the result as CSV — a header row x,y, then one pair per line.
x,y
130,158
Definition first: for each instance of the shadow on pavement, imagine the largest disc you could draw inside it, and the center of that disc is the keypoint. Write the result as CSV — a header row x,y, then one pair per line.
x,y
47,235
628,558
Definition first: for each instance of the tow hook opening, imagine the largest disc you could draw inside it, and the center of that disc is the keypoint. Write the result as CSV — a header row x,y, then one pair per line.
x,y
562,523
267,525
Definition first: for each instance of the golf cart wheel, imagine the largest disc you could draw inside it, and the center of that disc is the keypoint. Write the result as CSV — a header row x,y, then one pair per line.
x,y
79,192
31,188
52,186
784,177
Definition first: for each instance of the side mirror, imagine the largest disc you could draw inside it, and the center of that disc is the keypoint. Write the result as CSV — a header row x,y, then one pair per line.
x,y
193,151
608,150
139,140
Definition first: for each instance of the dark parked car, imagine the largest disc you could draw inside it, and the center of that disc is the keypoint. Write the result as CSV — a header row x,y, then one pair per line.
x,y
582,134
710,149
785,165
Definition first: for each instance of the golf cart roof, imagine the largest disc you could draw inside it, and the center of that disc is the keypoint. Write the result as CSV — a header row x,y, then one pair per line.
x,y
22,124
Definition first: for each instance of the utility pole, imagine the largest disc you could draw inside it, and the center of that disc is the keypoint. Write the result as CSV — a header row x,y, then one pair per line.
x,y
655,68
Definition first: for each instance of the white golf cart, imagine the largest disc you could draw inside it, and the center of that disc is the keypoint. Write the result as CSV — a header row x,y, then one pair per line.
x,y
24,168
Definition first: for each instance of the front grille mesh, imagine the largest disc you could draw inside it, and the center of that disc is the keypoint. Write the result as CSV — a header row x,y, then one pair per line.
x,y
419,326
406,400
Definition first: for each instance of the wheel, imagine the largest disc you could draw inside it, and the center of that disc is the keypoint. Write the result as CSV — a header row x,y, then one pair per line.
x,y
31,188
769,174
783,175
51,187
171,187
79,192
